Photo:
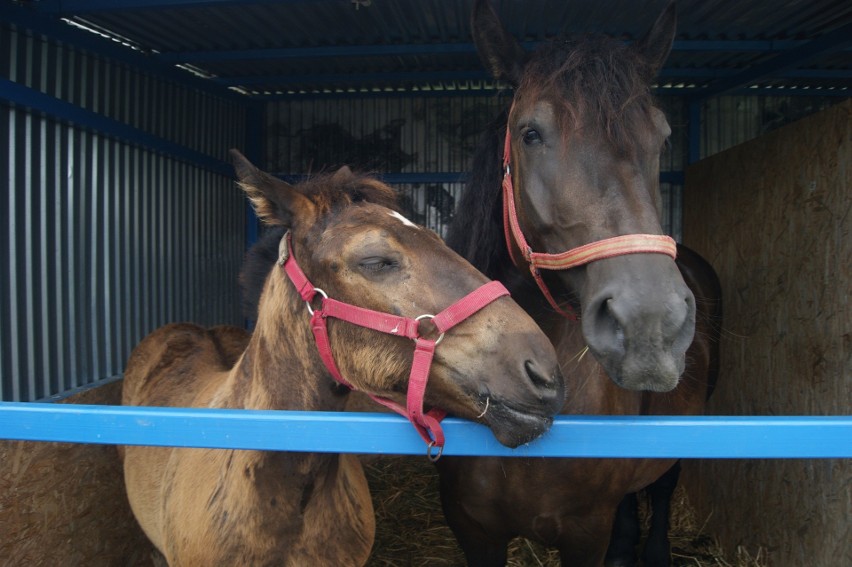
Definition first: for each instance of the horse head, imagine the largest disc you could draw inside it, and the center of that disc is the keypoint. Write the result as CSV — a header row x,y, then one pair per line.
x,y
584,140
495,366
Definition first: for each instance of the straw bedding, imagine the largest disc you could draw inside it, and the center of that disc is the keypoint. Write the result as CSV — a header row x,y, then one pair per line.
x,y
411,531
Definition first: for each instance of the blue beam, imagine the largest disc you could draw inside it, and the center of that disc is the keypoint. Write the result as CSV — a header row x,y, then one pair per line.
x,y
378,79
833,41
675,177
333,51
694,132
296,81
489,89
25,97
71,7
255,151
25,17
576,436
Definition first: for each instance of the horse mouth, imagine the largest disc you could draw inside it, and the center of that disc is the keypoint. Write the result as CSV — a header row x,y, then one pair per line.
x,y
512,426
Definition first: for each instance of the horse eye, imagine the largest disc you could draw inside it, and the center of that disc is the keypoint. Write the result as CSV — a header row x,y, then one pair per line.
x,y
375,265
531,137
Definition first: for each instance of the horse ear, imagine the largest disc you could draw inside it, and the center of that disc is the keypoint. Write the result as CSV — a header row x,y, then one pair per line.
x,y
657,43
499,51
275,201
343,173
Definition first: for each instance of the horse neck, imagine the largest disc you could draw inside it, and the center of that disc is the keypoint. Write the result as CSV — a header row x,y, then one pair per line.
x,y
281,367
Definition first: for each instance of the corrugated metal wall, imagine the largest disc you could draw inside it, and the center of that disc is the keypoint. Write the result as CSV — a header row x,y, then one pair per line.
x,y
425,134
104,241
731,120
436,134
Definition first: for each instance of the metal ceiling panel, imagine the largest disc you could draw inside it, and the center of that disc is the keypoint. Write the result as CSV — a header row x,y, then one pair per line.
x,y
319,45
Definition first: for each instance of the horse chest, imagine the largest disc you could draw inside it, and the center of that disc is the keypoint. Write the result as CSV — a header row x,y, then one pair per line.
x,y
262,513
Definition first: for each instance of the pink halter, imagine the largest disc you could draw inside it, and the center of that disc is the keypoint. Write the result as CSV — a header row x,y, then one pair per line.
x,y
606,248
427,423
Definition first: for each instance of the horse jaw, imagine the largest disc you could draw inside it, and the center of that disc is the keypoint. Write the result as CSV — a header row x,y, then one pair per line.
x,y
638,320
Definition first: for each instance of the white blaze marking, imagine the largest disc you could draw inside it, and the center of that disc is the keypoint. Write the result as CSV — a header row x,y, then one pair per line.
x,y
402,219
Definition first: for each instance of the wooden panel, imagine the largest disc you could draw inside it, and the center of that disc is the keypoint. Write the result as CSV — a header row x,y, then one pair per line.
x,y
774,216
64,504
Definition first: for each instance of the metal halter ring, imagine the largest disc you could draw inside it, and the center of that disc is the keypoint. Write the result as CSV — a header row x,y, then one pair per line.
x,y
434,457
308,303
427,316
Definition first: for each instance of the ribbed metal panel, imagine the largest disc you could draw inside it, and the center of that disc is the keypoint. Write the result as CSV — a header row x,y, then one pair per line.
x,y
103,241
416,135
731,120
312,46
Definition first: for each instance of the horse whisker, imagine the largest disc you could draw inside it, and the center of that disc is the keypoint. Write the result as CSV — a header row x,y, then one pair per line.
x,y
487,400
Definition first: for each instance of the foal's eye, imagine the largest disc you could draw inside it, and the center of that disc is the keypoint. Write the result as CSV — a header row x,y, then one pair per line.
x,y
375,265
531,136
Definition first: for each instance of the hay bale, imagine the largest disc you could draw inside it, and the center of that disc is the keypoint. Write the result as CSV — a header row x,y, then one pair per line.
x,y
64,503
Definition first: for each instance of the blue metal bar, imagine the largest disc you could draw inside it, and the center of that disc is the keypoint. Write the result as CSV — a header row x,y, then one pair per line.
x,y
254,150
332,51
72,7
337,51
672,74
694,132
581,436
440,177
26,97
835,40
297,81
26,17
675,177
491,89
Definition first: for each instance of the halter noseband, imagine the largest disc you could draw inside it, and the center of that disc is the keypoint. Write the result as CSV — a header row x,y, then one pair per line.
x,y
606,248
427,423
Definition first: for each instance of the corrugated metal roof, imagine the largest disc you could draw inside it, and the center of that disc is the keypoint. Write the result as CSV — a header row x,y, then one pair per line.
x,y
268,48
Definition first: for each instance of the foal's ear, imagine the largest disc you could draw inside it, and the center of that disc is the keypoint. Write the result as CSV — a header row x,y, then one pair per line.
x,y
657,43
275,201
342,174
499,51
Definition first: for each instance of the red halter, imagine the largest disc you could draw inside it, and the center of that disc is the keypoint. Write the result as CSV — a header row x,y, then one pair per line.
x,y
606,248
426,423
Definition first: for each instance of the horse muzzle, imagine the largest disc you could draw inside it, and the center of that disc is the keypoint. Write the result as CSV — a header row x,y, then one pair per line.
x,y
639,321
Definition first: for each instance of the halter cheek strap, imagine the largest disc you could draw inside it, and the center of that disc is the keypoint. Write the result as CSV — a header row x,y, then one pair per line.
x,y
427,423
537,261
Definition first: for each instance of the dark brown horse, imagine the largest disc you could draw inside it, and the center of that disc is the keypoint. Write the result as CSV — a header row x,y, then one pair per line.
x,y
225,507
580,149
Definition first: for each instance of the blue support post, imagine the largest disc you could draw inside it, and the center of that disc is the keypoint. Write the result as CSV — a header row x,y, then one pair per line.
x,y
254,151
694,131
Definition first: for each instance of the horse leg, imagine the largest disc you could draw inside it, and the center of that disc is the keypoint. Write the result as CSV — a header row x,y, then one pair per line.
x,y
485,554
625,534
657,552
584,540
481,549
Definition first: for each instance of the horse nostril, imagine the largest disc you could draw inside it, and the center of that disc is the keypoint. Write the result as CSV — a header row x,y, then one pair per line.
x,y
605,329
537,378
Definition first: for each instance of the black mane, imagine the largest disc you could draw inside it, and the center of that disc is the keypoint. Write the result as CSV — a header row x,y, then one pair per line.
x,y
600,81
599,78
476,231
